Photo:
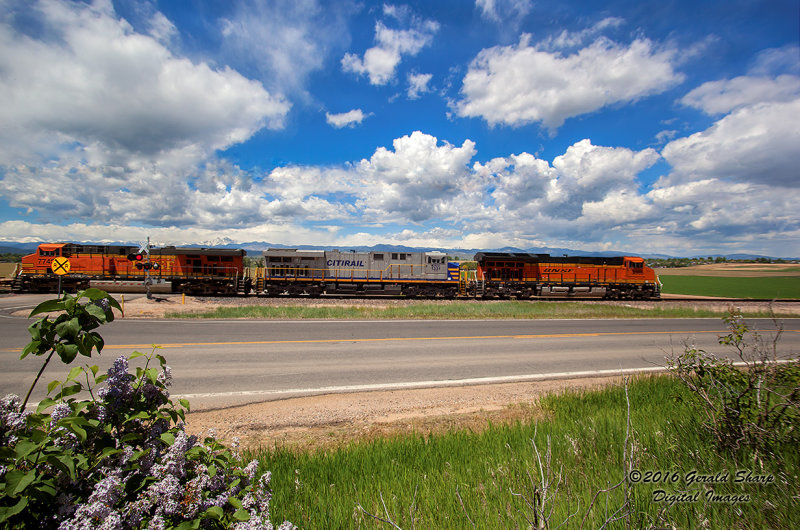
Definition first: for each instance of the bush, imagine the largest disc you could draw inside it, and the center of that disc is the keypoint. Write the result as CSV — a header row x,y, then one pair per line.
x,y
119,458
751,404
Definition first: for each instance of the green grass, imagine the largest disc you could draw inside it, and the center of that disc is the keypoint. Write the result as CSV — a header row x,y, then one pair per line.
x,y
463,478
458,310
731,287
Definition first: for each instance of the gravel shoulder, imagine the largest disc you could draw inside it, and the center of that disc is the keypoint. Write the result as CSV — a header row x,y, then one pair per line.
x,y
331,421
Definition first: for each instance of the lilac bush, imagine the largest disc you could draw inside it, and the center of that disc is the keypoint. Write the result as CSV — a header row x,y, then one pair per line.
x,y
122,458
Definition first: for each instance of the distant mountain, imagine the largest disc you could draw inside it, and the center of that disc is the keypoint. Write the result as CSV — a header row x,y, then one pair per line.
x,y
254,248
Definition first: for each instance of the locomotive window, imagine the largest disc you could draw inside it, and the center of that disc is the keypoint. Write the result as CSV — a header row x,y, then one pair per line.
x,y
48,252
378,257
227,258
213,258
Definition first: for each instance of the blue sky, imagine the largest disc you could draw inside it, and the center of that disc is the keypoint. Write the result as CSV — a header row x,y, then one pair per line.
x,y
646,127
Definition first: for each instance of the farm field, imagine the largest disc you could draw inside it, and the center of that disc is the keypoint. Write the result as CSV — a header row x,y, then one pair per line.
x,y
734,280
776,287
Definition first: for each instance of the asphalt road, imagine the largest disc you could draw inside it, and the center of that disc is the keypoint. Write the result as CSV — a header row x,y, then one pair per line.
x,y
222,363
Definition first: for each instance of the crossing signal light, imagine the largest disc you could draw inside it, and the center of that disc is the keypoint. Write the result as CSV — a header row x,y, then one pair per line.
x,y
138,256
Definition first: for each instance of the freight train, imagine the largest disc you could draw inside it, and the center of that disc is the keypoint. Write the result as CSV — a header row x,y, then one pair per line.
x,y
293,272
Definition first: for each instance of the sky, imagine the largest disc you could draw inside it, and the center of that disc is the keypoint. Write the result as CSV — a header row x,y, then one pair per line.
x,y
668,127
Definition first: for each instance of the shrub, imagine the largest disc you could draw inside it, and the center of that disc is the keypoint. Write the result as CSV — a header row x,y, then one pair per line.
x,y
753,403
119,458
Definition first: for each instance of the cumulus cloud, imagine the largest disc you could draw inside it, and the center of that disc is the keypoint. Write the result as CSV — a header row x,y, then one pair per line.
x,y
522,84
93,79
418,84
102,122
345,119
380,62
756,143
415,181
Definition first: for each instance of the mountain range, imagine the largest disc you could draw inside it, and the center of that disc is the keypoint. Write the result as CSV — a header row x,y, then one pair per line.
x,y
254,248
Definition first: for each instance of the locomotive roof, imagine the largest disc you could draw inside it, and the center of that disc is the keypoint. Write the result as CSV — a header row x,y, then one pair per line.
x,y
547,258
76,248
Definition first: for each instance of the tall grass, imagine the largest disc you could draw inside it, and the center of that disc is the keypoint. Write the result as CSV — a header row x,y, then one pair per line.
x,y
490,479
459,310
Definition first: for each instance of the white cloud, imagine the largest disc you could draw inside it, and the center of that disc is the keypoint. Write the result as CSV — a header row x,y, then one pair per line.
x,y
572,39
517,85
345,119
380,62
415,181
418,84
282,42
103,122
502,11
757,143
719,97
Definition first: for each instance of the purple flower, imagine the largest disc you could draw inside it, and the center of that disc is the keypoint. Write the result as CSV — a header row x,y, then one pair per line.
x,y
118,384
60,411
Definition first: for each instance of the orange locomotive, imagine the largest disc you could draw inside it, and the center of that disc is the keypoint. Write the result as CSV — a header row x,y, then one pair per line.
x,y
170,269
523,275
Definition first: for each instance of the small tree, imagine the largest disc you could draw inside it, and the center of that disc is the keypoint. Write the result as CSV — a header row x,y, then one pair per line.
x,y
754,403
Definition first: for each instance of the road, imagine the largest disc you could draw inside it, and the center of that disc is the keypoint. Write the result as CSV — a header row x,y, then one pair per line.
x,y
222,363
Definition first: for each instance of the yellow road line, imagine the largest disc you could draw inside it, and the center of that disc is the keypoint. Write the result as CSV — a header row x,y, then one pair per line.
x,y
401,339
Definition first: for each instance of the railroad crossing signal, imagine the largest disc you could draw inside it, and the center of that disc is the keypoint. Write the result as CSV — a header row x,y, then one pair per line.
x,y
60,266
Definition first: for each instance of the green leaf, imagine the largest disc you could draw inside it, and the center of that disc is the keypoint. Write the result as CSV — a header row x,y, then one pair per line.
x,y
17,480
64,463
74,373
51,385
97,340
69,390
24,448
45,403
235,502
93,293
48,306
32,347
215,512
35,331
6,513
67,352
168,438
96,312
134,355
242,515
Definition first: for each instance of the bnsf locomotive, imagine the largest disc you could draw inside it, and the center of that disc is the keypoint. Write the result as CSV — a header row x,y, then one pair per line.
x,y
121,269
316,272
541,275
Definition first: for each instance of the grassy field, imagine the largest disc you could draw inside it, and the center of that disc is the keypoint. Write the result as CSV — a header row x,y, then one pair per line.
x,y
733,287
493,478
459,310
